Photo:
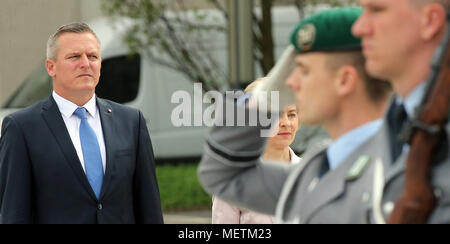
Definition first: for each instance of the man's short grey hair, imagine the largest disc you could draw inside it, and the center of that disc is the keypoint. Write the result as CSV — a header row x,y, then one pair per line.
x,y
52,43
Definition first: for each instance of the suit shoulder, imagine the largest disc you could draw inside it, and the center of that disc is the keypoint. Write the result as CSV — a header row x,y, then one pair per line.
x,y
28,112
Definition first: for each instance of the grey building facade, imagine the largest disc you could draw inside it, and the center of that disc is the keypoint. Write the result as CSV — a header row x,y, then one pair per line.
x,y
25,26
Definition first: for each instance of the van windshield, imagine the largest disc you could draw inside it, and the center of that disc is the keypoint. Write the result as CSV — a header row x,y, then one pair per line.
x,y
37,86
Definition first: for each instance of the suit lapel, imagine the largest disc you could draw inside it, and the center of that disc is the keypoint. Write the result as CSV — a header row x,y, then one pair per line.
x,y
108,134
52,116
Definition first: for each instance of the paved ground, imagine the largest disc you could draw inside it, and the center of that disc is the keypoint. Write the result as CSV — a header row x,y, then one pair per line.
x,y
190,217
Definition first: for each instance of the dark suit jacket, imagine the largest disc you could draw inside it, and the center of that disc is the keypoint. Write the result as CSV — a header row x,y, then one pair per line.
x,y
42,180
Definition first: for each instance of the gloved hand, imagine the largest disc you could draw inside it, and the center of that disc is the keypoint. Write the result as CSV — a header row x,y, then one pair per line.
x,y
276,81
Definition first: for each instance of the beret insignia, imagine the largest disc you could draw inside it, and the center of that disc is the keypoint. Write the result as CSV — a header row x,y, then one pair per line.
x,y
306,37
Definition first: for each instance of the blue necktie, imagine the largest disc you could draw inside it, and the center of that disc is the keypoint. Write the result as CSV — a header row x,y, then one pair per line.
x,y
91,153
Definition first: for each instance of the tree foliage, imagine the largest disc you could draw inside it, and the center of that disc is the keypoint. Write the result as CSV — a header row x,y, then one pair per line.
x,y
170,32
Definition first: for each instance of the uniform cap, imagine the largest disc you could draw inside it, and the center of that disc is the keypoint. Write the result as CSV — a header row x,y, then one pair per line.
x,y
327,31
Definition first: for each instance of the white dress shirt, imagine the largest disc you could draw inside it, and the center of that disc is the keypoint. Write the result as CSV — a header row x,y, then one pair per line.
x,y
67,108
294,158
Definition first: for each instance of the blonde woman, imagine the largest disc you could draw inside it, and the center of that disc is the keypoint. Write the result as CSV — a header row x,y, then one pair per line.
x,y
277,150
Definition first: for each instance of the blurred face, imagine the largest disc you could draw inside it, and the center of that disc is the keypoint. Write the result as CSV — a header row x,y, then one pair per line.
x,y
312,83
284,133
76,70
390,33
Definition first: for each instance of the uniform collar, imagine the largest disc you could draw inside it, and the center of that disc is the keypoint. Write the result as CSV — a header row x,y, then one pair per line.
x,y
341,148
413,100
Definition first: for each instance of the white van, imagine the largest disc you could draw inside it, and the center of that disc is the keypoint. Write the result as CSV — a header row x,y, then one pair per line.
x,y
141,83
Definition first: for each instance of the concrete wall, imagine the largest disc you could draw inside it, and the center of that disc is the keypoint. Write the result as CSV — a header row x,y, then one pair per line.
x,y
25,26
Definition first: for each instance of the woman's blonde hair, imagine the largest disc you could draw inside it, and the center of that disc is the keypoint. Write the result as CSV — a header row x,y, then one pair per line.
x,y
253,85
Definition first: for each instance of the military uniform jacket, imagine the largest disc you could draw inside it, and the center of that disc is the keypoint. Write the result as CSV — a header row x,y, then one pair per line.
x,y
232,170
392,177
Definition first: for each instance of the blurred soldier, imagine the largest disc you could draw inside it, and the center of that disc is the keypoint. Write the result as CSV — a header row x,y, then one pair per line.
x,y
399,38
333,90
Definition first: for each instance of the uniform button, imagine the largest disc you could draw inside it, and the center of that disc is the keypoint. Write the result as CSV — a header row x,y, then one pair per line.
x,y
388,208
99,206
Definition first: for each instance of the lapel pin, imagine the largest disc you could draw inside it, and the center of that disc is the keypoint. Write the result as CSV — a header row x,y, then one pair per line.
x,y
109,110
358,167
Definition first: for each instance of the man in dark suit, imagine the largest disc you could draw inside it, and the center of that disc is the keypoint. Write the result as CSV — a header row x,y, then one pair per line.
x,y
76,158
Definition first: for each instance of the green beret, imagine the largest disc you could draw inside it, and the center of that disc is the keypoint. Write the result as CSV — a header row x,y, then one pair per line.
x,y
327,31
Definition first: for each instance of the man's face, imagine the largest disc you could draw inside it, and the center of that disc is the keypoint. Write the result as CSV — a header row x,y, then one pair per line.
x,y
390,36
312,83
76,69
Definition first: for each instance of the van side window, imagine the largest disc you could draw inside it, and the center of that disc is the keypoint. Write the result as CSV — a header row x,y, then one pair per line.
x,y
119,79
